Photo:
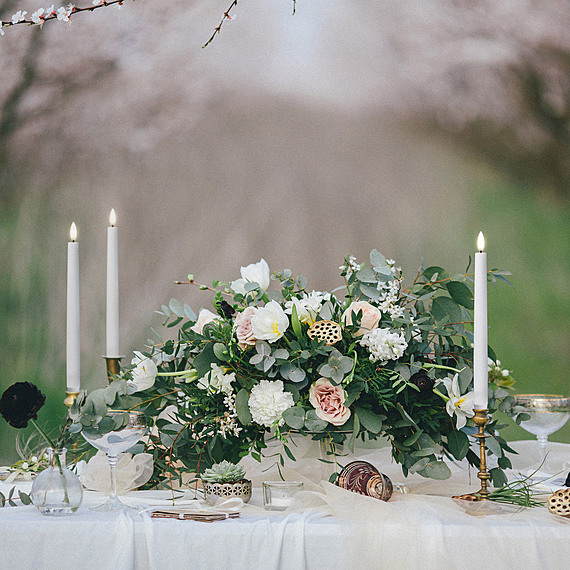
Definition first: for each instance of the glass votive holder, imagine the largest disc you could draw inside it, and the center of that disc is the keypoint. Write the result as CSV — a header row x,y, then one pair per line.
x,y
279,495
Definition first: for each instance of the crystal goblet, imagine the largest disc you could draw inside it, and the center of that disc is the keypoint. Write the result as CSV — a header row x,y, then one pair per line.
x,y
548,413
127,429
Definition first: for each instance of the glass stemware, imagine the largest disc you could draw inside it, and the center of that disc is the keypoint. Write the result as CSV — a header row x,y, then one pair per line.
x,y
129,427
548,413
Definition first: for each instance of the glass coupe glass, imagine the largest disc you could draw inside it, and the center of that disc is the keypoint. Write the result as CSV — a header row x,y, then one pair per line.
x,y
548,413
132,426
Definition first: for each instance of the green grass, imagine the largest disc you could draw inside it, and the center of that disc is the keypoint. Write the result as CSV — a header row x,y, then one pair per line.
x,y
529,323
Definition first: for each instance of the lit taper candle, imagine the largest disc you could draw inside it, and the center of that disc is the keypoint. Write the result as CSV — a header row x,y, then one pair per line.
x,y
480,344
73,341
112,346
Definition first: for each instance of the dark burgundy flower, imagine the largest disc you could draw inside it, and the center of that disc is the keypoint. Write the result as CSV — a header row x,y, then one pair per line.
x,y
20,403
225,309
567,482
423,382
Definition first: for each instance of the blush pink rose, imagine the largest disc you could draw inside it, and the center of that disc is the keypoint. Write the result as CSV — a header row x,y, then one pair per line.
x,y
243,330
328,401
369,319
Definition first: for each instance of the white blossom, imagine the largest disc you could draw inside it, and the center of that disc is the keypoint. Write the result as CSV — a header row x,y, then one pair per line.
x,y
384,345
270,322
38,16
253,273
308,306
458,405
217,381
268,401
143,375
19,16
64,14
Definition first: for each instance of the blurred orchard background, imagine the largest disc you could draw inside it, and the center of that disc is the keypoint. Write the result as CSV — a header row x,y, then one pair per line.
x,y
404,126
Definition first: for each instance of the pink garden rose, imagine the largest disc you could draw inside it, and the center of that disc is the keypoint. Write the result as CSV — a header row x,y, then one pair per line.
x,y
242,326
204,317
370,316
328,401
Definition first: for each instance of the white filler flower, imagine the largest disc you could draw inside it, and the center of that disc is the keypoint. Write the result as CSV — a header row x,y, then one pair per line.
x,y
254,273
268,401
270,322
384,345
308,306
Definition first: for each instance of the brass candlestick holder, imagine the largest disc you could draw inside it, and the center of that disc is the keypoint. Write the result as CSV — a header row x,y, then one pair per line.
x,y
70,398
113,366
481,419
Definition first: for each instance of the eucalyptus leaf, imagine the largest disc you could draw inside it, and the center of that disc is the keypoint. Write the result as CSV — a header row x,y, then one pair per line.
x,y
435,470
369,420
465,377
313,422
294,417
176,307
242,407
458,444
460,293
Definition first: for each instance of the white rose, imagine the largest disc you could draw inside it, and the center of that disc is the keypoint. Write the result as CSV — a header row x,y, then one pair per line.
x,y
270,322
254,273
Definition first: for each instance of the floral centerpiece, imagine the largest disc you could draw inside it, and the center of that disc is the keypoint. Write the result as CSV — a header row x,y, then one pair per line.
x,y
370,360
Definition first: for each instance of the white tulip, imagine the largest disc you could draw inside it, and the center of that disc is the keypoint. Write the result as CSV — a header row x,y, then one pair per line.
x,y
253,273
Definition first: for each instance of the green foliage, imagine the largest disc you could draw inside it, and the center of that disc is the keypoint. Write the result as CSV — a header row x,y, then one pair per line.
x,y
208,378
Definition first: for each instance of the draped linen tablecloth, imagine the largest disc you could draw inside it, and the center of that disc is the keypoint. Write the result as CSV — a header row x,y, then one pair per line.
x,y
327,528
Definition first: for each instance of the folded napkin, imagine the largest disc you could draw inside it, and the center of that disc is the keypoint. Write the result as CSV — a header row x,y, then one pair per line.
x,y
132,472
199,510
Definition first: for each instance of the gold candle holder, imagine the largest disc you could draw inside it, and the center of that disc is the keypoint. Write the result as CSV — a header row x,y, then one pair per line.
x,y
481,419
70,398
113,366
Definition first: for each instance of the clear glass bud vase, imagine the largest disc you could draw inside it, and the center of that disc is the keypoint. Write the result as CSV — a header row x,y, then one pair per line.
x,y
57,491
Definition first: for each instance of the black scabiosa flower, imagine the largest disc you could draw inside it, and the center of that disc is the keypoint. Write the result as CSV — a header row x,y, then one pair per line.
x,y
225,309
20,403
423,382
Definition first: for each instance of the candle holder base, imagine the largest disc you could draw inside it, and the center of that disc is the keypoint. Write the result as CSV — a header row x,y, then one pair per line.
x,y
481,419
113,366
70,398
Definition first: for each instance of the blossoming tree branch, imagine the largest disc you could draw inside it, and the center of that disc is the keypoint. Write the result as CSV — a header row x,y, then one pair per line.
x,y
64,14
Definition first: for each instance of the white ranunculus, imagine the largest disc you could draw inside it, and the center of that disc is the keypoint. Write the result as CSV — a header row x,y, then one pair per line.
x,y
253,273
217,381
268,401
458,405
144,374
270,322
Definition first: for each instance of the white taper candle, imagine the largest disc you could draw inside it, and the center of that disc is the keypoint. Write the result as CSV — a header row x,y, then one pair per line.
x,y
112,345
480,343
73,339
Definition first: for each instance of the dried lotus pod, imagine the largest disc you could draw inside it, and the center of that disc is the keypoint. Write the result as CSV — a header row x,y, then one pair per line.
x,y
559,503
327,331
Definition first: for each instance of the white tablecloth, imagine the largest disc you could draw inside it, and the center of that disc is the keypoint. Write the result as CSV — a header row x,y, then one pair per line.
x,y
422,529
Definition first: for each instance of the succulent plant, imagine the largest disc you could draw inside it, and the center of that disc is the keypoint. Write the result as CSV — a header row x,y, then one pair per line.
x,y
224,472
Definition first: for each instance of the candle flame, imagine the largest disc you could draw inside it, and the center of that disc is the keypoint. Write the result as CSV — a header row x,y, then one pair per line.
x,y
112,218
480,241
73,232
